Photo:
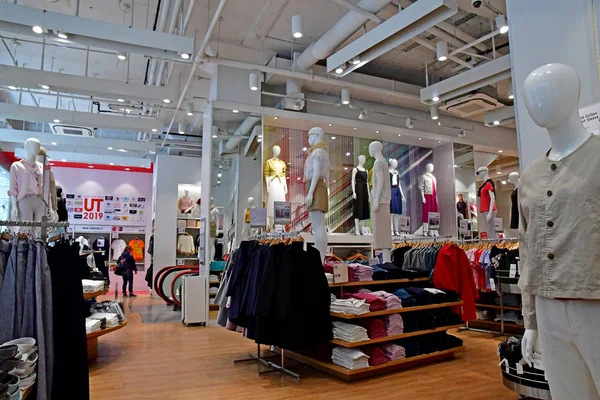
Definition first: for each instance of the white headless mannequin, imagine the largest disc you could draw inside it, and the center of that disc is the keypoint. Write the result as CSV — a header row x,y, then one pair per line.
x,y
484,174
214,216
41,158
395,223
376,150
246,230
551,95
317,218
427,175
358,224
28,208
268,181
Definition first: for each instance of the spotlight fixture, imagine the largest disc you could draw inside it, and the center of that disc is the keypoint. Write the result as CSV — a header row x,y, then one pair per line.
x,y
329,124
56,121
181,129
510,93
304,149
399,134
496,122
439,123
500,151
219,175
501,23
215,136
121,55
235,111
348,154
376,131
503,181
420,138
166,101
409,123
333,138
11,87
435,113
435,98
62,35
455,166
121,100
154,130
441,48
53,143
355,128
189,107
363,115
253,78
355,60
110,148
122,151
45,87
340,69
37,29
297,31
185,56
218,183
112,163
274,117
345,96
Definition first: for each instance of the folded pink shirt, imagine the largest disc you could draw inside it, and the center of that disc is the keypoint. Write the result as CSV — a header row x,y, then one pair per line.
x,y
25,179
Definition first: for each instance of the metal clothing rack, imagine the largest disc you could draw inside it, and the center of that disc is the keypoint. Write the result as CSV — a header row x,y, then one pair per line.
x,y
44,223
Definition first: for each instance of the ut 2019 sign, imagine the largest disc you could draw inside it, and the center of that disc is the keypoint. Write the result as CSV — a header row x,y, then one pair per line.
x,y
106,210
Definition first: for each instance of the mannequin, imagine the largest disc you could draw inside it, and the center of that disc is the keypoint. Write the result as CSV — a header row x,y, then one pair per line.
x,y
246,230
49,183
61,206
275,182
360,193
561,246
513,178
214,216
26,181
381,195
487,202
428,188
316,177
397,197
185,203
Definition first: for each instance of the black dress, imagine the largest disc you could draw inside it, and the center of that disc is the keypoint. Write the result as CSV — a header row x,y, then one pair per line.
x,y
361,203
514,210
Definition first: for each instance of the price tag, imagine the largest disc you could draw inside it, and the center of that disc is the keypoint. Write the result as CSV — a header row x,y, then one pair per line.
x,y
181,230
498,225
492,284
519,368
340,273
258,217
433,218
180,261
115,235
305,246
100,242
404,223
513,270
278,228
366,231
507,369
464,226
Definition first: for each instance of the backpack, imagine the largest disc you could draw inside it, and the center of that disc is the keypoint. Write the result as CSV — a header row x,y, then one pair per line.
x,y
121,268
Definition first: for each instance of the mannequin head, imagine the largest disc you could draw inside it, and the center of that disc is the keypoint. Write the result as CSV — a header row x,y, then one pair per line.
x,y
212,200
375,149
513,178
250,201
276,151
362,160
315,135
59,191
186,193
393,163
483,173
429,168
32,148
551,94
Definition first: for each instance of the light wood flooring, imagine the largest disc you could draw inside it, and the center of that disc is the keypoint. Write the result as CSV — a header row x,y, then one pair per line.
x,y
168,361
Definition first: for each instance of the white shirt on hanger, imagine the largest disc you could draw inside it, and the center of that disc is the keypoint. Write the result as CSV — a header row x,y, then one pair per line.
x,y
118,247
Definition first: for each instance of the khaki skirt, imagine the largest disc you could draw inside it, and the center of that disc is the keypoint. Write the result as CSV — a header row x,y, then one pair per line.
x,y
382,233
320,198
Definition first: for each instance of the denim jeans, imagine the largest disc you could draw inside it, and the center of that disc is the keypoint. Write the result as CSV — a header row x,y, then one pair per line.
x,y
128,277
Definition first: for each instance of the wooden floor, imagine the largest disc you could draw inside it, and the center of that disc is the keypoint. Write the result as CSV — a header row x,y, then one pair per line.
x,y
170,361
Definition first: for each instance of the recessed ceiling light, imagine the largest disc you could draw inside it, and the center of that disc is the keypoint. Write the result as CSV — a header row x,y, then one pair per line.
x,y
37,29
500,151
185,56
219,175
45,87
110,148
496,122
503,181
420,138
166,101
57,121
348,154
376,131
274,117
53,143
11,87
111,163
355,128
127,169
122,150
235,111
63,160
120,100
154,130
439,141
215,136
62,35
304,149
345,168
333,138
399,134
340,69
499,172
90,166
455,166
122,56
329,124
435,98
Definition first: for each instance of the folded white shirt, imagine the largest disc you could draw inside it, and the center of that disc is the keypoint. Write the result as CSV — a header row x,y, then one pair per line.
x,y
349,358
349,306
349,332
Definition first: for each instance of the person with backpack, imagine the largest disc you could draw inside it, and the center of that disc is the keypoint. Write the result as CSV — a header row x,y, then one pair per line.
x,y
127,268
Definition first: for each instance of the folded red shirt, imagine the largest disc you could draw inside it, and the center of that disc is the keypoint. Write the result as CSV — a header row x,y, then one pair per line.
x,y
375,303
376,355
375,328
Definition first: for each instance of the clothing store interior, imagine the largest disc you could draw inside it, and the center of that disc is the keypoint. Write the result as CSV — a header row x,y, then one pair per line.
x,y
317,199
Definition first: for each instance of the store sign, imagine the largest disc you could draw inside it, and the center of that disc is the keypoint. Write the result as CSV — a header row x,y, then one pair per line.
x,y
106,210
590,118
498,225
463,227
404,223
282,212
258,217
92,228
433,218
340,273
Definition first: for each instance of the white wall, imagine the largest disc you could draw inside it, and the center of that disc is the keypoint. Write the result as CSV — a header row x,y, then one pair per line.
x,y
249,177
549,31
465,180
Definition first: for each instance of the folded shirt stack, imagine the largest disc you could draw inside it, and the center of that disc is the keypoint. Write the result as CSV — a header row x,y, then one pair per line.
x,y
108,307
213,290
360,272
375,328
393,272
394,325
375,303
332,298
112,320
213,278
393,352
92,325
376,355
392,302
90,286
328,268
421,296
329,277
406,299
349,332
437,296
379,274
349,358
349,306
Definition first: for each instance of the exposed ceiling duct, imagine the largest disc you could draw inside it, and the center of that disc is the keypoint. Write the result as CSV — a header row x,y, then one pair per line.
x,y
241,133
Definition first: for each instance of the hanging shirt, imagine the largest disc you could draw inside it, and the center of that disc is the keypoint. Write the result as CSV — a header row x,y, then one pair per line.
x,y
185,245
275,168
427,183
118,247
137,249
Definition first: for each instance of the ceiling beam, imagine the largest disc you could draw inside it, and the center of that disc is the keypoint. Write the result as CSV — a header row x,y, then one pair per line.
x,y
93,158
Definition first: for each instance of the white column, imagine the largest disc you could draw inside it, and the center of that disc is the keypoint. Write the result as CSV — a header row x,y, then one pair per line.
x,y
550,31
205,184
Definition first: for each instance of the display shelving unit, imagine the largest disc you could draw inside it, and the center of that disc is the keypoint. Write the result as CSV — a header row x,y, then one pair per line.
x,y
92,338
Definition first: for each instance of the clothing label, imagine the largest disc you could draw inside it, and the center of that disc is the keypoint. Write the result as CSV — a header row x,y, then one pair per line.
x,y
498,225
282,212
519,368
404,223
258,217
492,284
181,230
115,235
366,231
340,273
433,219
464,227
513,270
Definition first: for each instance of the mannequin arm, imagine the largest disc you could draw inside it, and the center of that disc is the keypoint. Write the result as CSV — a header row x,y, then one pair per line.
x,y
313,182
14,210
268,183
354,171
422,189
401,191
285,188
492,205
378,187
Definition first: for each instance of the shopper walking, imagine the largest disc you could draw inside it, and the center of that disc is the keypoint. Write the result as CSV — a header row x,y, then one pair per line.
x,y
128,268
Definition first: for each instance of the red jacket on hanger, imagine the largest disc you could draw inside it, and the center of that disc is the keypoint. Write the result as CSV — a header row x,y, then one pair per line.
x,y
453,272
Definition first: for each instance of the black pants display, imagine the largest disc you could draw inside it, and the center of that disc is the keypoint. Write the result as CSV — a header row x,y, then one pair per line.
x,y
128,278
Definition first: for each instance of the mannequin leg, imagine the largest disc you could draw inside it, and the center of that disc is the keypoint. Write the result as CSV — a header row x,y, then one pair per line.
x,y
387,255
357,226
489,225
567,336
39,209
317,219
26,208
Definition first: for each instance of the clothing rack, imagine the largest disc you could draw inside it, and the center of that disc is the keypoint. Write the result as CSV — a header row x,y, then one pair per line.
x,y
43,224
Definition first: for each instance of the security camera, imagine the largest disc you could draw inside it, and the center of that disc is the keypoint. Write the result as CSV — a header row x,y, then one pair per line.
x,y
476,3
462,133
362,115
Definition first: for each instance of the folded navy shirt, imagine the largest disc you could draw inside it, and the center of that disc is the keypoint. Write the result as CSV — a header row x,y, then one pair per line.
x,y
405,297
379,274
421,296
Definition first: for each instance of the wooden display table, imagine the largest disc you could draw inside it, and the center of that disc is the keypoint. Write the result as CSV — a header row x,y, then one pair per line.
x,y
92,340
93,295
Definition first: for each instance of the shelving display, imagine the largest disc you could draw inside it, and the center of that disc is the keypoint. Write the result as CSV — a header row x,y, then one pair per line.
x,y
397,311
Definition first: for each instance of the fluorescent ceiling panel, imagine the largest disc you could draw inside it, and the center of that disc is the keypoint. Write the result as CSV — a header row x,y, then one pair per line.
x,y
468,81
20,19
402,27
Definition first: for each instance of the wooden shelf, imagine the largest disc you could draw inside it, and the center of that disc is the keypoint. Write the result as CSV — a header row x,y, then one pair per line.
x,y
397,310
350,375
497,323
106,331
214,283
384,282
393,337
213,306
92,295
497,307
92,340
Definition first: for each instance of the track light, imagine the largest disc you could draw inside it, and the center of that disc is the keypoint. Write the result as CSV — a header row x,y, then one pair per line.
x,y
120,100
355,60
340,69
362,115
56,121
435,113
37,29
441,48
45,87
345,96
509,92
122,56
297,31
409,123
181,128
501,23
253,78
11,87
189,108
62,35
